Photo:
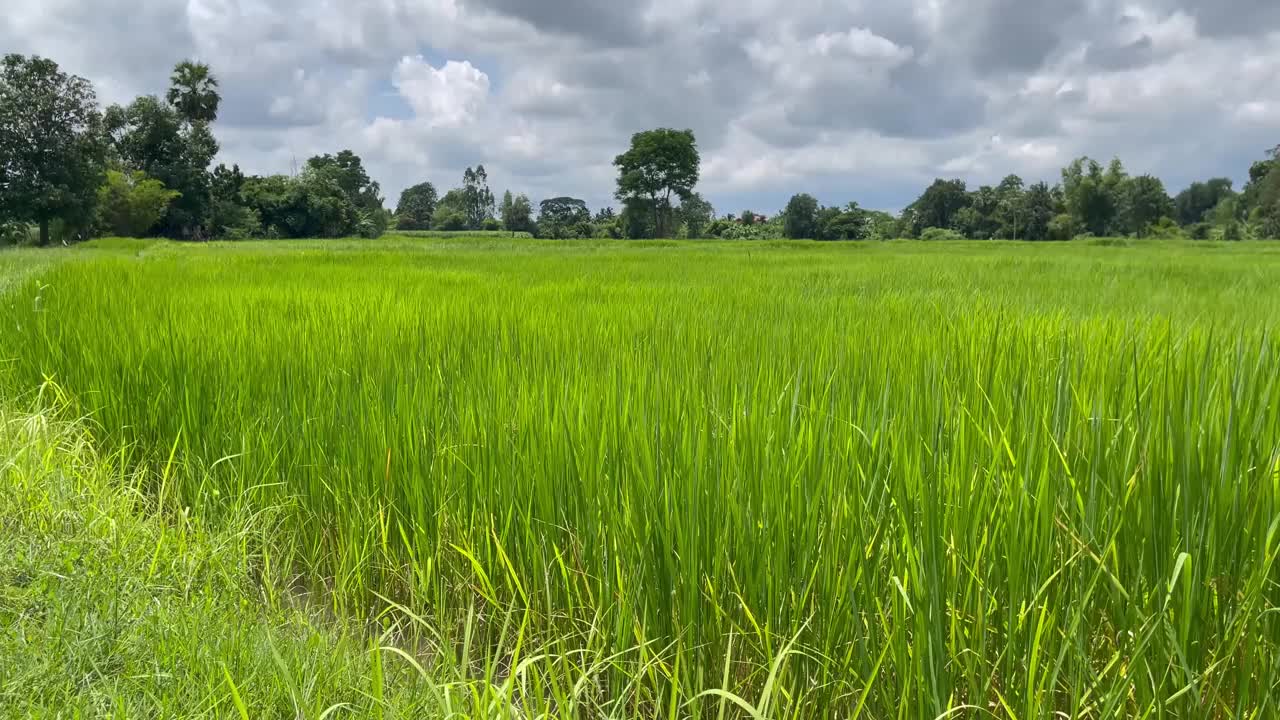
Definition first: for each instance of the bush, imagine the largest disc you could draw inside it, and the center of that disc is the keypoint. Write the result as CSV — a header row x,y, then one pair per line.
x,y
131,205
1061,227
1200,231
491,225
18,233
936,234
1164,228
449,219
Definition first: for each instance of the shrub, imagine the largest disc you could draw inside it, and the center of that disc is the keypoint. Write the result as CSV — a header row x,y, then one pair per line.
x,y
936,234
131,205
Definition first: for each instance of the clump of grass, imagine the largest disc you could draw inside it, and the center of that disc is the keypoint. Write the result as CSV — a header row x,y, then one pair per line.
x,y
896,480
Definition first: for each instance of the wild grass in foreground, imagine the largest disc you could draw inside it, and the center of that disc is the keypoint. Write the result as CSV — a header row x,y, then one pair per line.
x,y
975,480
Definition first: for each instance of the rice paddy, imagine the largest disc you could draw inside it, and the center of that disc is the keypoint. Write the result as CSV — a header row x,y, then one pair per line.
x,y
683,479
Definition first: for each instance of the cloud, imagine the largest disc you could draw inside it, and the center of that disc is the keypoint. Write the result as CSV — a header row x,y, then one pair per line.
x,y
848,99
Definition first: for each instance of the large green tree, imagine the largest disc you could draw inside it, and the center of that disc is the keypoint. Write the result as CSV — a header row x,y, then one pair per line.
x,y
1143,201
193,92
1010,203
171,140
1035,213
51,144
1195,203
801,217
660,164
848,223
417,205
564,217
938,206
1091,195
479,199
517,213
347,170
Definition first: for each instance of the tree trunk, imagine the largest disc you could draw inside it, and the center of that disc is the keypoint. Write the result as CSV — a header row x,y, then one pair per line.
x,y
44,232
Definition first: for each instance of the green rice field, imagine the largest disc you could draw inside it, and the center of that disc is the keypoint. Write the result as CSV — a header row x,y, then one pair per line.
x,y
705,480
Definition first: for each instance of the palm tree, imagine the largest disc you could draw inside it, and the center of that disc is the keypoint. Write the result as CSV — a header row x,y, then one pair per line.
x,y
193,92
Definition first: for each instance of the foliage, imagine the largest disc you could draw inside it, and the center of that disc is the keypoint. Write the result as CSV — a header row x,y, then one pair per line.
x,y
695,215
51,150
660,164
937,207
801,217
478,204
155,138
848,223
1195,203
416,207
193,92
346,170
1092,195
130,205
564,217
517,213
934,234
1061,227
1142,202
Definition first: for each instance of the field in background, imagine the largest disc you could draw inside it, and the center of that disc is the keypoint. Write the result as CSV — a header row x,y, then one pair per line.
x,y
829,479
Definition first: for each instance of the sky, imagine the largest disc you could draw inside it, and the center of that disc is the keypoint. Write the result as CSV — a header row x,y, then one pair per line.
x,y
849,100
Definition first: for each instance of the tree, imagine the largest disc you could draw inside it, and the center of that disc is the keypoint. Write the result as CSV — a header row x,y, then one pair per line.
x,y
881,225
479,200
660,163
1143,201
849,223
1262,196
1009,218
417,205
313,204
130,205
1091,196
193,92
801,217
347,170
517,213
1194,204
1036,212
695,214
564,217
638,218
937,206
451,212
51,146
172,143
230,215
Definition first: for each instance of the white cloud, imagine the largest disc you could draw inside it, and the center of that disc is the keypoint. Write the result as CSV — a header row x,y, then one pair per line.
x,y
448,97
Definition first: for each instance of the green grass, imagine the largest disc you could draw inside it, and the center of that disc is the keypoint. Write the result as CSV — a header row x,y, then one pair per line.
x,y
865,480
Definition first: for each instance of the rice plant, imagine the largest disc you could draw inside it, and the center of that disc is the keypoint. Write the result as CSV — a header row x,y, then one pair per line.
x,y
746,480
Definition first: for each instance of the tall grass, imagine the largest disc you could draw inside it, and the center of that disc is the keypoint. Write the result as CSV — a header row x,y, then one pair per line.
x,y
865,481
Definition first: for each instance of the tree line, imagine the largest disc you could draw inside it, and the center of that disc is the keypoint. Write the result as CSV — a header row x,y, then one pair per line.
x,y
70,170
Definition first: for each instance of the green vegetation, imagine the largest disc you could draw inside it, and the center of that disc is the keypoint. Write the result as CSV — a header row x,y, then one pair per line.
x,y
650,479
